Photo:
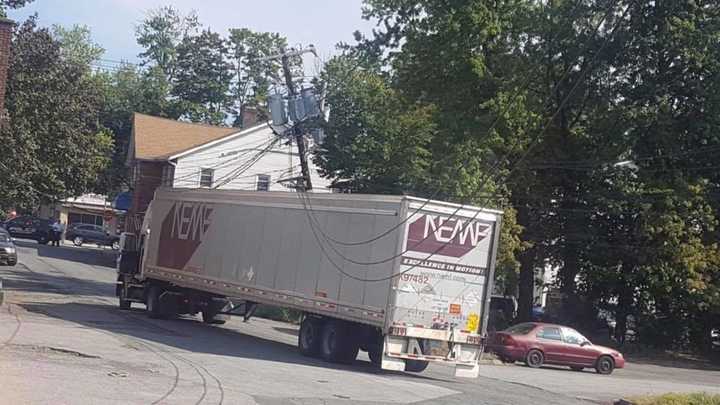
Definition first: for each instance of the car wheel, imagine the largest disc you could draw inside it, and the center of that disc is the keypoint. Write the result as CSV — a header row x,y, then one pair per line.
x,y
43,240
116,245
605,365
534,358
576,368
309,337
78,241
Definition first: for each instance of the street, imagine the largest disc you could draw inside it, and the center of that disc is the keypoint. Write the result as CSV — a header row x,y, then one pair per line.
x,y
64,341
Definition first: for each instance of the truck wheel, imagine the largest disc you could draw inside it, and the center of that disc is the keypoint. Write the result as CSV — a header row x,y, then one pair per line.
x,y
12,262
153,302
310,336
375,352
416,366
210,316
339,344
123,302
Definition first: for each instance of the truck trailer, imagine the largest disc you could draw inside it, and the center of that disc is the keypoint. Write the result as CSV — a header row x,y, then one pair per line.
x,y
408,280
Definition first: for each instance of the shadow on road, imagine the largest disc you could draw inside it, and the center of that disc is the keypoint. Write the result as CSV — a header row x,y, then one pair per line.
x,y
89,256
20,278
191,335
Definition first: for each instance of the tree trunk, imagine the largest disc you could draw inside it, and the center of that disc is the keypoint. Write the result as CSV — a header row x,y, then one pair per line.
x,y
526,284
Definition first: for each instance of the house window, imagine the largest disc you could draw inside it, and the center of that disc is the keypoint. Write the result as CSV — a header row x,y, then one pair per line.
x,y
263,182
206,177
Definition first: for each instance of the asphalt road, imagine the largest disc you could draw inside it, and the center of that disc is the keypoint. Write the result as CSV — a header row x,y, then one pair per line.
x,y
63,341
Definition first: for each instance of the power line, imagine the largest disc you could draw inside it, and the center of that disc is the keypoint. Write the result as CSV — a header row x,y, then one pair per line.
x,y
525,86
517,164
487,178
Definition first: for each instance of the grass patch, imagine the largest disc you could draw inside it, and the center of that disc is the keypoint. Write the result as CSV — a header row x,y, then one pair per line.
x,y
278,314
678,399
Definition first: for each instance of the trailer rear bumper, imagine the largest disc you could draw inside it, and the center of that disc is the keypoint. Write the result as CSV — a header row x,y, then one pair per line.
x,y
464,356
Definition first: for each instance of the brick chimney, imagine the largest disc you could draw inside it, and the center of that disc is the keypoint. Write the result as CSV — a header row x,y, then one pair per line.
x,y
250,117
6,32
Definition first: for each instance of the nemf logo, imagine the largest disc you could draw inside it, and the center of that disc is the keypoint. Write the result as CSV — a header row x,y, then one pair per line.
x,y
183,229
445,236
190,221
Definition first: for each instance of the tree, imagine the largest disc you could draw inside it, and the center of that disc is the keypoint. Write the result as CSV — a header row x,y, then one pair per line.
x,y
77,45
202,77
14,4
252,76
160,33
53,145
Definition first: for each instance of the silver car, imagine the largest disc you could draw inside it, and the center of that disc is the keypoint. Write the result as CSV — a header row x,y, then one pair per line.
x,y
8,252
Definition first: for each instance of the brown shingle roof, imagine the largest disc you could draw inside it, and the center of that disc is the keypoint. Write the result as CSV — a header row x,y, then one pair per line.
x,y
156,138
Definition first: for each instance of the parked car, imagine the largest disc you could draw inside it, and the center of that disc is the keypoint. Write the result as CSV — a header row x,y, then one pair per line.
x,y
8,252
538,343
88,233
29,227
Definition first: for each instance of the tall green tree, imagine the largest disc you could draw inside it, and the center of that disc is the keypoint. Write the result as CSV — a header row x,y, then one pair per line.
x,y
54,147
76,44
253,76
160,34
12,4
202,77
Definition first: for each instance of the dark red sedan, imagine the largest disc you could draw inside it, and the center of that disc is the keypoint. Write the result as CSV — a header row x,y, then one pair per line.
x,y
543,343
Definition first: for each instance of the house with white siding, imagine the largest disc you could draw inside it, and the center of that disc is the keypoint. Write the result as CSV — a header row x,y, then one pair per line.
x,y
170,153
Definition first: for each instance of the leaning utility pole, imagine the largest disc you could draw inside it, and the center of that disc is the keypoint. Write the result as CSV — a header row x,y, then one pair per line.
x,y
297,132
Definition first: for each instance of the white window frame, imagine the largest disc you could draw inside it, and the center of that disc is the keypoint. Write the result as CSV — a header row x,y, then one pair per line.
x,y
204,173
263,179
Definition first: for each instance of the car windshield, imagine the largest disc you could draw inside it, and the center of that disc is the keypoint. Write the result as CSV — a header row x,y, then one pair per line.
x,y
520,329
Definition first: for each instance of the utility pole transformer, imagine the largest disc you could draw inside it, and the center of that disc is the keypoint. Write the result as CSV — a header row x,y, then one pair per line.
x,y
297,132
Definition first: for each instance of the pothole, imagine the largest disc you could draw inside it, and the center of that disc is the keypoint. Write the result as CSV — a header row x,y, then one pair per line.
x,y
54,350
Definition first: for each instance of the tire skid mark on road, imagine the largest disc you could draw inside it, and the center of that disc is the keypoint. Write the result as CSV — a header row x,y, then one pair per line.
x,y
196,367
127,339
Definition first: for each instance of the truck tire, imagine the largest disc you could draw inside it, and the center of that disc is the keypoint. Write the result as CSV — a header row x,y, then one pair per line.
x,y
310,336
375,352
152,302
416,366
123,302
339,343
211,316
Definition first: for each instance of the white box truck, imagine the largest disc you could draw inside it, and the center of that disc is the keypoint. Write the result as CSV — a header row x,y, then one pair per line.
x,y
405,279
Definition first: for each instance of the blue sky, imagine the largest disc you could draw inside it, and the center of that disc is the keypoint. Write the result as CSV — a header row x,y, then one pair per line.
x,y
320,22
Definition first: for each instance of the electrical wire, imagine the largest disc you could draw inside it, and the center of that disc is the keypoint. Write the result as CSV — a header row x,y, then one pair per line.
x,y
237,172
497,119
486,179
517,164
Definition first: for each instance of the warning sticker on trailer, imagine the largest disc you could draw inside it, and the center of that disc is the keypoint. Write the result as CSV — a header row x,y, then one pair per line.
x,y
473,322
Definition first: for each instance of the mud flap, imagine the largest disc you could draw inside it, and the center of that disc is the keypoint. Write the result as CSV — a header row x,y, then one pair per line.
x,y
393,345
464,371
468,354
